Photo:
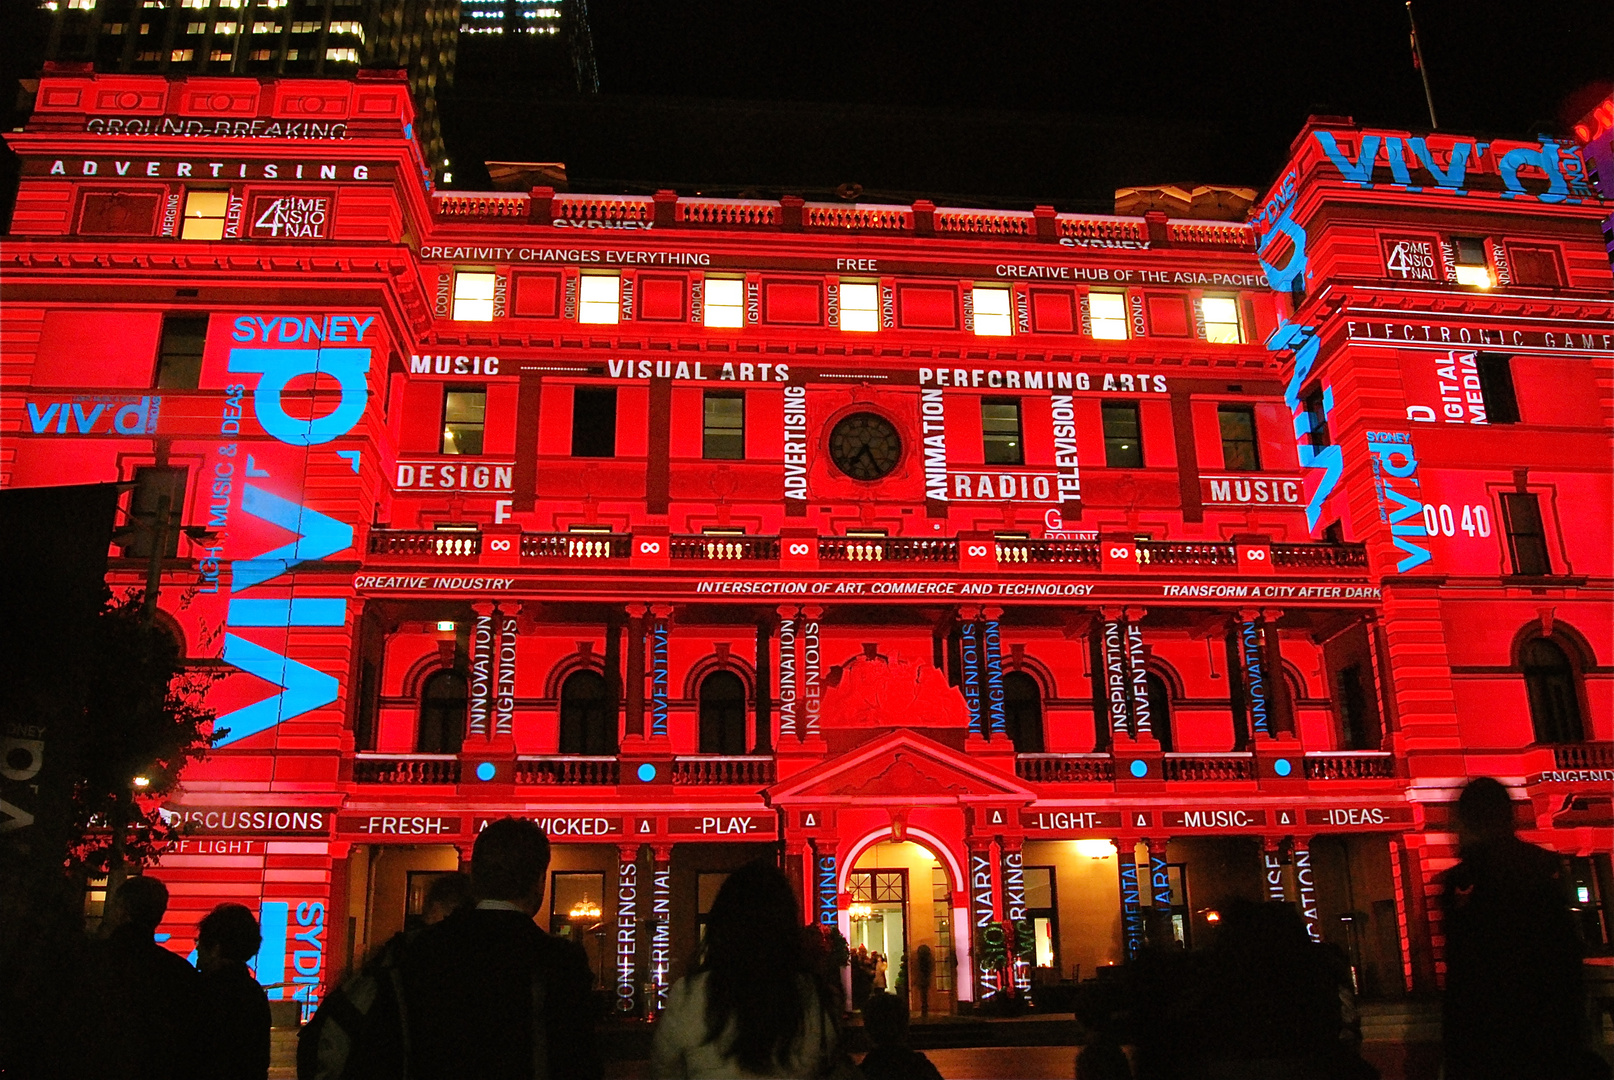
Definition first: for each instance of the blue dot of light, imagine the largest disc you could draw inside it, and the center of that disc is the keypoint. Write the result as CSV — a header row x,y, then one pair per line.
x,y
1140,769
485,771
1282,767
647,772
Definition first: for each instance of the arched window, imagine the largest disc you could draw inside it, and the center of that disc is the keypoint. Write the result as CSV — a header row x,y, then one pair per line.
x,y
722,714
1553,687
1159,709
587,723
442,714
1022,712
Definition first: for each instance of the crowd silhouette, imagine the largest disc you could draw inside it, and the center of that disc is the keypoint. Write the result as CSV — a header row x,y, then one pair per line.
x,y
479,990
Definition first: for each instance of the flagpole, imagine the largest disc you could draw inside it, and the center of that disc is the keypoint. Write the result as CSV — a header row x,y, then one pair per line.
x,y
1423,70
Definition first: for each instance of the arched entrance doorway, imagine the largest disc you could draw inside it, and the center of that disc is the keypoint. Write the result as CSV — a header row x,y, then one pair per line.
x,y
901,926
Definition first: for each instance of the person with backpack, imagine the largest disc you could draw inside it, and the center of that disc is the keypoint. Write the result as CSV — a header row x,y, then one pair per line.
x,y
326,1044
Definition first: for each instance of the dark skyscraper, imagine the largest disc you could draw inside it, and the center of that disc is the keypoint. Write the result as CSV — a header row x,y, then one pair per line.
x,y
325,38
530,45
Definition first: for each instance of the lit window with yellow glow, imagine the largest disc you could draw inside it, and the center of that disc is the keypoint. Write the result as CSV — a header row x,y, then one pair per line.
x,y
473,296
204,215
1473,266
725,302
992,313
1109,315
599,298
860,307
1221,320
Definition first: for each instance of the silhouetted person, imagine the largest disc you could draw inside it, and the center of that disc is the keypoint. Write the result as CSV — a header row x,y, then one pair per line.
x,y
885,1022
488,994
1513,966
363,1009
140,994
1269,1004
231,1020
751,1007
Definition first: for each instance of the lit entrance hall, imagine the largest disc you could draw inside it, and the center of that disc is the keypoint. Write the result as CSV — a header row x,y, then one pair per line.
x,y
902,909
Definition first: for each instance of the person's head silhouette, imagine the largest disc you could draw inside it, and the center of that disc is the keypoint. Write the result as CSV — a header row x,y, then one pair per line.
x,y
1484,812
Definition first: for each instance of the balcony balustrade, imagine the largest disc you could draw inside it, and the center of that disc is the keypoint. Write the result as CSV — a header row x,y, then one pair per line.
x,y
750,770
724,548
1167,553
454,544
1213,767
1584,755
1065,768
1351,765
1048,552
567,769
406,769
886,549
581,546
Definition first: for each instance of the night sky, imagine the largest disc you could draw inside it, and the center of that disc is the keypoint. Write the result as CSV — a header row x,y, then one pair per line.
x,y
1033,101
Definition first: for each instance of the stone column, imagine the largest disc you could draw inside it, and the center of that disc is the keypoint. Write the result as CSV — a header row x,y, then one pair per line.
x,y
1306,887
660,969
504,684
633,722
811,663
762,742
969,675
613,670
1274,869
626,997
995,721
1131,899
1021,943
479,708
984,915
789,631
660,691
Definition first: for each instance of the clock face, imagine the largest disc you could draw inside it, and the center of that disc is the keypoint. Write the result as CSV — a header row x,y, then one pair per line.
x,y
865,446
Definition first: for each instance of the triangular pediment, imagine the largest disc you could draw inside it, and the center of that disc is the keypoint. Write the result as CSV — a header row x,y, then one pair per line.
x,y
899,767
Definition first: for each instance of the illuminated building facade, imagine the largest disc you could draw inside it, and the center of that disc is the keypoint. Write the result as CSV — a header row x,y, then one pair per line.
x,y
1020,579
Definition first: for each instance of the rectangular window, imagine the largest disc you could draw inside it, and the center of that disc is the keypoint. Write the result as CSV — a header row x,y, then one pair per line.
x,y
860,307
221,55
473,295
1527,540
464,417
157,489
204,214
992,313
723,430
1317,420
1239,450
1473,267
196,28
179,352
1000,432
1109,315
598,299
182,56
1221,320
725,302
265,28
345,56
1496,388
1123,436
594,421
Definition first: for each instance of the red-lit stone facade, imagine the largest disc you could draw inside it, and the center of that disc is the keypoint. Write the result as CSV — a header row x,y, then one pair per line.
x,y
989,567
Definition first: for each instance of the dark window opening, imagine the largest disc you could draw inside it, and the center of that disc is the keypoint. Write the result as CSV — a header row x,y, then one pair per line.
x,y
156,509
1022,712
1317,420
1358,722
1527,539
1000,432
1496,388
594,421
464,420
179,353
722,709
1123,436
1239,450
1159,709
723,427
587,723
364,713
442,714
1553,688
